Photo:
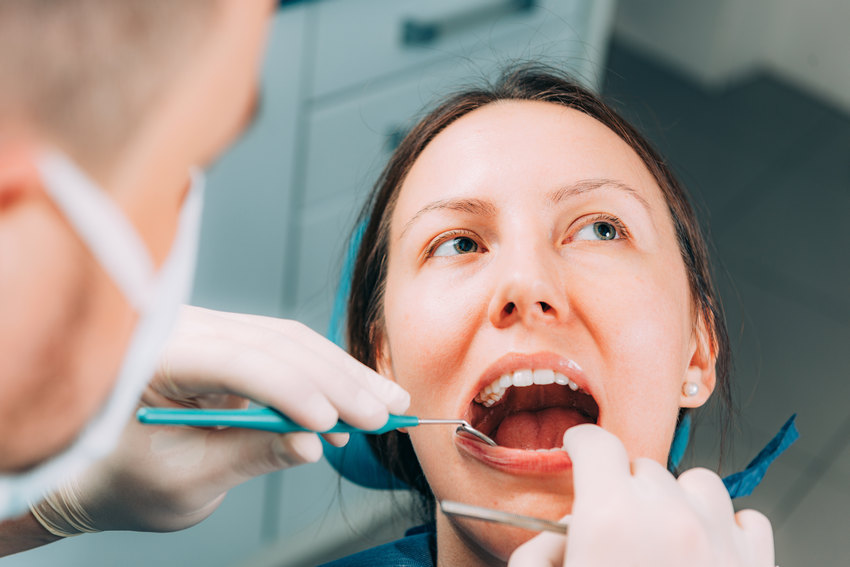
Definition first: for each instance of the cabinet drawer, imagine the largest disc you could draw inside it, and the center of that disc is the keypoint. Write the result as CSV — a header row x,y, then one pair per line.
x,y
358,42
350,142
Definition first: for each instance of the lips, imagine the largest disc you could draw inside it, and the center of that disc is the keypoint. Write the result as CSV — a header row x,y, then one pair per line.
x,y
525,403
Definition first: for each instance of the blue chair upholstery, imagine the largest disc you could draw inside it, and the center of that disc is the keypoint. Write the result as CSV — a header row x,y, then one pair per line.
x,y
355,461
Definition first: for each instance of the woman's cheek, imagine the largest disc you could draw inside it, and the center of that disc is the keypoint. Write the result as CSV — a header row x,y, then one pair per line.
x,y
634,310
428,333
438,312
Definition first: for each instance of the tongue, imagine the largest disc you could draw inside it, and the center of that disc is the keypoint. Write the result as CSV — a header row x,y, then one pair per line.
x,y
541,429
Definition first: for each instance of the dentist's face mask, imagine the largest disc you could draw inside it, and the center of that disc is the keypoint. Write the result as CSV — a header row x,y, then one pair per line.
x,y
156,297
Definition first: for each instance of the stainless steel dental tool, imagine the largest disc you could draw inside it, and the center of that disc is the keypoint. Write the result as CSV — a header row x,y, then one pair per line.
x,y
463,428
490,515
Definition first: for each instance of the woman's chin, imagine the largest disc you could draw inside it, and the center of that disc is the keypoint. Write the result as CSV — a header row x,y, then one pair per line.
x,y
487,542
476,542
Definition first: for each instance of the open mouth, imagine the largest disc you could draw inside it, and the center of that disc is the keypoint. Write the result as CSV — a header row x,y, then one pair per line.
x,y
530,409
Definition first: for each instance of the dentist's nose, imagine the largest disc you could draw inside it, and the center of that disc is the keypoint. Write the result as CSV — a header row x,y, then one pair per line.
x,y
527,292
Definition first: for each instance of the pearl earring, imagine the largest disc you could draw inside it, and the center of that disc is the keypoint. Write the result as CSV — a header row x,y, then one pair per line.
x,y
690,389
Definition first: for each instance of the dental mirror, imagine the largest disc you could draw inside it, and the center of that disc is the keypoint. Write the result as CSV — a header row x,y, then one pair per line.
x,y
466,429
463,428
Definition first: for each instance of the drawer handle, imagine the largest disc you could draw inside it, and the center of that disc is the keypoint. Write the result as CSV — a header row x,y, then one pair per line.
x,y
416,33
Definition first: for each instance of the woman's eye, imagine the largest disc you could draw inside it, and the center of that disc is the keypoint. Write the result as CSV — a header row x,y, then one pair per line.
x,y
599,230
457,245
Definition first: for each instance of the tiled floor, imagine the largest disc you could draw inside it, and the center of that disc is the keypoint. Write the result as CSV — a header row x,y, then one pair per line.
x,y
769,168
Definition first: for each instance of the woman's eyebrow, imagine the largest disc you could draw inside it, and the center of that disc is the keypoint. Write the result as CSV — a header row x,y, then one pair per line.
x,y
485,208
478,207
586,185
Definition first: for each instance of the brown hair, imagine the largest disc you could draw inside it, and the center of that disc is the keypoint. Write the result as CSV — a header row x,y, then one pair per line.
x,y
534,83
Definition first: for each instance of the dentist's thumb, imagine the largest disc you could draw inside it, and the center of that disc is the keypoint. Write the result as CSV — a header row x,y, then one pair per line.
x,y
544,550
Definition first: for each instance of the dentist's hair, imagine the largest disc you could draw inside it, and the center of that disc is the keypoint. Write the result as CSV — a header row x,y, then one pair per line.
x,y
84,73
365,327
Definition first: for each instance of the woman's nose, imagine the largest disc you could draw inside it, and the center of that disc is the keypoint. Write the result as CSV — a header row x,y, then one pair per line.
x,y
529,291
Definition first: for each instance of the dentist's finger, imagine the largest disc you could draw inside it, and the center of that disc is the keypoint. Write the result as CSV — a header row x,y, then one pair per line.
x,y
304,387
215,365
707,493
237,455
337,439
600,461
654,481
395,397
544,550
759,533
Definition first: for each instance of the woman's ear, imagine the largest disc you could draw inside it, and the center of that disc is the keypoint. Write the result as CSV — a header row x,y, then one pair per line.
x,y
700,376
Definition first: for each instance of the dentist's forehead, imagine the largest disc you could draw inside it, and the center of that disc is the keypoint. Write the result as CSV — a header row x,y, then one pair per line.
x,y
508,146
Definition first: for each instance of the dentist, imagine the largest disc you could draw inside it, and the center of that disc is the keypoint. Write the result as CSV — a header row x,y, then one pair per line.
x,y
107,112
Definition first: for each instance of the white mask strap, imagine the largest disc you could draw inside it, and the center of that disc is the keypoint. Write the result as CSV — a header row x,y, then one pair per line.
x,y
102,225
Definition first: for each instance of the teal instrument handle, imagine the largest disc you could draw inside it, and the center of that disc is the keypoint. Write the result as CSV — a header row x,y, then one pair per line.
x,y
265,419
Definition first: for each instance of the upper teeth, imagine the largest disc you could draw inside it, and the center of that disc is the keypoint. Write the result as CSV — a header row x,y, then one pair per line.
x,y
494,391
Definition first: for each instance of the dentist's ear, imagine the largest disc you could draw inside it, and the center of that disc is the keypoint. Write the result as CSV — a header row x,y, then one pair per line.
x,y
700,377
19,178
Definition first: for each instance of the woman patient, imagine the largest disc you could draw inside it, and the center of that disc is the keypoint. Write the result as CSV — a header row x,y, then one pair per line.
x,y
529,264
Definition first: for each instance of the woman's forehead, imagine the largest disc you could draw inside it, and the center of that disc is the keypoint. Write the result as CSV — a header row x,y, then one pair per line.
x,y
506,146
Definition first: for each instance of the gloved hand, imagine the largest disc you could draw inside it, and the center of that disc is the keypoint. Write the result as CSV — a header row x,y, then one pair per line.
x,y
645,516
169,478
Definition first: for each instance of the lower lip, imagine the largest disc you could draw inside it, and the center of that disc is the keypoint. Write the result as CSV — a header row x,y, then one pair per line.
x,y
515,461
